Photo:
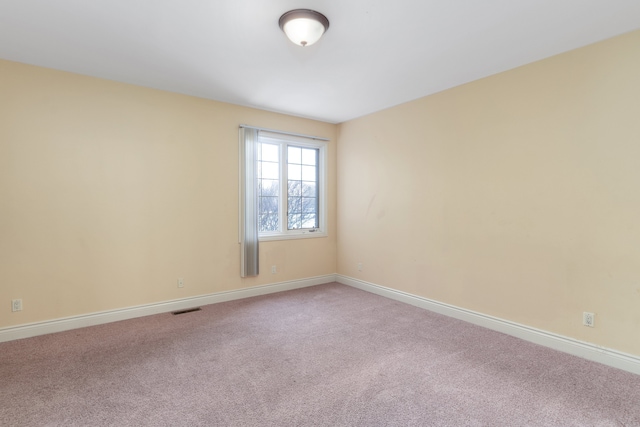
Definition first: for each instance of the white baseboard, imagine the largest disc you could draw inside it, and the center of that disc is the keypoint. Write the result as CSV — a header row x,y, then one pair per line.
x,y
578,348
74,322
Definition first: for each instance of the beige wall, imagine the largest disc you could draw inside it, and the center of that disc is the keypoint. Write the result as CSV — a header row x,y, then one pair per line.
x,y
516,196
110,192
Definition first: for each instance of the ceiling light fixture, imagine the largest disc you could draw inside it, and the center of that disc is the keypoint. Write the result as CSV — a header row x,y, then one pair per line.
x,y
304,27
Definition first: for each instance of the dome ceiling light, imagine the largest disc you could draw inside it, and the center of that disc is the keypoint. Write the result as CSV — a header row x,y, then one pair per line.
x,y
304,27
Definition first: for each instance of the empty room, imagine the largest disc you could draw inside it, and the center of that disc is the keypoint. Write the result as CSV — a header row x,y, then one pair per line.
x,y
319,213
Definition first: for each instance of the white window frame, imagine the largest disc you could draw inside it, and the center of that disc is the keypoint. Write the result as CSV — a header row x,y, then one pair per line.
x,y
284,140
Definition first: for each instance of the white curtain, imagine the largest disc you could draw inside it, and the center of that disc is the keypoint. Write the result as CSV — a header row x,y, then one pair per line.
x,y
249,265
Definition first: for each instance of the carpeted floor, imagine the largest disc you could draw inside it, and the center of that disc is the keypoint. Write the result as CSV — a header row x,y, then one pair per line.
x,y
328,355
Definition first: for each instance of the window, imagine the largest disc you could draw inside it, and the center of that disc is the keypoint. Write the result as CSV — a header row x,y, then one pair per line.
x,y
281,193
290,186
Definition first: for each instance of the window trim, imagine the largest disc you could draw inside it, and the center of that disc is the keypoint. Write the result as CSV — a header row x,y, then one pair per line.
x,y
285,139
316,142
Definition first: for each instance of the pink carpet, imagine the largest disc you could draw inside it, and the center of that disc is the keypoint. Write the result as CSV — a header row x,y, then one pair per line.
x,y
328,355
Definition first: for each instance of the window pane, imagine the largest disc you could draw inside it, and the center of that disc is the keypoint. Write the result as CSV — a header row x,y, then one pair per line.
x,y
302,202
268,170
268,187
294,205
268,205
295,172
270,153
268,222
309,173
309,221
308,205
293,155
295,221
294,188
309,189
309,156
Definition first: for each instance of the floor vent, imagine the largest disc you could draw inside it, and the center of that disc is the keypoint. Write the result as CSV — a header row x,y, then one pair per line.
x,y
188,310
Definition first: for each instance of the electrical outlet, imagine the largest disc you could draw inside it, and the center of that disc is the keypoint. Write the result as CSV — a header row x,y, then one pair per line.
x,y
589,319
16,305
359,266
274,269
180,282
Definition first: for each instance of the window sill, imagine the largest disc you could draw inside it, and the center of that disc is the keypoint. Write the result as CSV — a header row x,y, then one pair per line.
x,y
292,236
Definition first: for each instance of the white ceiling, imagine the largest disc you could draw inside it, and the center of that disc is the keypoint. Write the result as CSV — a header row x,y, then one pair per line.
x,y
376,54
